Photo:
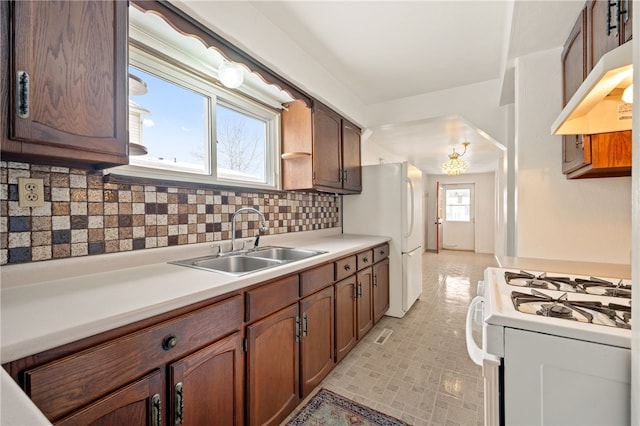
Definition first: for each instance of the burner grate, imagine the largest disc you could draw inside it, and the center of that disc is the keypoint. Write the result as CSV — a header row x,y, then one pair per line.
x,y
539,303
591,285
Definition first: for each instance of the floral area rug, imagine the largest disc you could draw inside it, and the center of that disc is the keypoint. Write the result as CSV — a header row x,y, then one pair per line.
x,y
330,409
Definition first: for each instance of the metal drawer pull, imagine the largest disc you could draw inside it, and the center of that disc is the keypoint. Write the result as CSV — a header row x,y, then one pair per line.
x,y
169,342
347,267
365,259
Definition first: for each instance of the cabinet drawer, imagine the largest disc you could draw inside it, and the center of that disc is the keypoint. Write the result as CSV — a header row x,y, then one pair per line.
x,y
316,279
345,267
364,259
271,297
62,386
380,252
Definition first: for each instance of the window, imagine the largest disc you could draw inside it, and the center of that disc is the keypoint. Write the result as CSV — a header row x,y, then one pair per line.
x,y
191,128
458,205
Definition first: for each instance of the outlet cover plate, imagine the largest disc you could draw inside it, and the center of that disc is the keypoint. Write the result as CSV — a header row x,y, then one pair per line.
x,y
30,192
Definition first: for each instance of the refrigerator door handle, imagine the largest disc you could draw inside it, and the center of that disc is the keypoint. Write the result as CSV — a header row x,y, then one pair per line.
x,y
410,230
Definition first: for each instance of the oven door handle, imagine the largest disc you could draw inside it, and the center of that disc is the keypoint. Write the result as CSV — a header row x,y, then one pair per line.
x,y
475,352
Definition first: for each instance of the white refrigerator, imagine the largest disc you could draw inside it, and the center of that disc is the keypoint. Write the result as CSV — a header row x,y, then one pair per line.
x,y
391,205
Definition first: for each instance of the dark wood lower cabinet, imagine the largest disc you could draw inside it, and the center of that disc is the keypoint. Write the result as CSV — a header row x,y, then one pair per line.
x,y
346,332
316,348
273,369
244,358
380,289
364,301
206,386
138,404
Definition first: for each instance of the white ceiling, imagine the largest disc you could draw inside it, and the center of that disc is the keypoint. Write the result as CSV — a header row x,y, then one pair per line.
x,y
388,50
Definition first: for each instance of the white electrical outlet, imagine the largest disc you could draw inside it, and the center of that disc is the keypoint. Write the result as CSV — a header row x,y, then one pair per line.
x,y
30,192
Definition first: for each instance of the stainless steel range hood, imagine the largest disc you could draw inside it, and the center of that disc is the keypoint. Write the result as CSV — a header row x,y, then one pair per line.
x,y
597,107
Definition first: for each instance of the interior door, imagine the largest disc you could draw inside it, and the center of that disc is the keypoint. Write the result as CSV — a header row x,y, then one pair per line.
x,y
458,226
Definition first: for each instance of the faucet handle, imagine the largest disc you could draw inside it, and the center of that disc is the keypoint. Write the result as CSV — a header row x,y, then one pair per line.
x,y
216,246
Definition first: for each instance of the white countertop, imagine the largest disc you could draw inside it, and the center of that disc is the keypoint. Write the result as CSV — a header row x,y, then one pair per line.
x,y
47,304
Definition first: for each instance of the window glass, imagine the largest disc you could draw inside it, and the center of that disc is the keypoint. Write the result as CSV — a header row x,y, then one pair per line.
x,y
458,205
171,122
241,145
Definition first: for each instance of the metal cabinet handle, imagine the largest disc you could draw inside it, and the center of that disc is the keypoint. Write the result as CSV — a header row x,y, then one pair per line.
x,y
297,329
169,342
365,259
347,267
156,410
305,324
359,290
375,281
179,394
22,94
610,27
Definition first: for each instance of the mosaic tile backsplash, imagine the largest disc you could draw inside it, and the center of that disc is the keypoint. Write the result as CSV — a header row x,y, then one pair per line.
x,y
84,216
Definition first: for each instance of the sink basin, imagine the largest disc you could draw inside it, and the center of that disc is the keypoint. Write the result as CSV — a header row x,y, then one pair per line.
x,y
247,262
285,254
232,265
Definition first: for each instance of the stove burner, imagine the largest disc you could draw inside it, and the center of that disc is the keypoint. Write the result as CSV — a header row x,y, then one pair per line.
x,y
588,311
555,310
591,285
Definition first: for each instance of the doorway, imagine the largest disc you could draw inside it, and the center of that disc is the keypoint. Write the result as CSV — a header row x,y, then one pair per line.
x,y
458,222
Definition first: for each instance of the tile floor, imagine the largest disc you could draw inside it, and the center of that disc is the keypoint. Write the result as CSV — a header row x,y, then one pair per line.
x,y
422,373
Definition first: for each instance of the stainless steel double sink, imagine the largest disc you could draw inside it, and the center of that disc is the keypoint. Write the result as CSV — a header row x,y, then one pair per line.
x,y
244,262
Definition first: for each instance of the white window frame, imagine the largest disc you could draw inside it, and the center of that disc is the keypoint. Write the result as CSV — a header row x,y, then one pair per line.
x,y
181,75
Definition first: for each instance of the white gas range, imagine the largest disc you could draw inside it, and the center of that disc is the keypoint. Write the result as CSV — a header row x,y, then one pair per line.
x,y
556,348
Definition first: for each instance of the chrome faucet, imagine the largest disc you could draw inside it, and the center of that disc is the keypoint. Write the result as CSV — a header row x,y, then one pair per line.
x,y
263,224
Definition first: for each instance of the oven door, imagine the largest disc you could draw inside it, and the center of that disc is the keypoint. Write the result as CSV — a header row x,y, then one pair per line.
x,y
490,364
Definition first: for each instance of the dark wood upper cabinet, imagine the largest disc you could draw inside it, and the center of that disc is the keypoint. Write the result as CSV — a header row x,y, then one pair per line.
x,y
352,179
320,150
601,27
67,90
608,26
327,148
574,58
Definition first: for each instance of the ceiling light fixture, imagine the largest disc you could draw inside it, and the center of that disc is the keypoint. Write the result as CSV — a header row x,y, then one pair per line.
x,y
627,95
230,74
454,165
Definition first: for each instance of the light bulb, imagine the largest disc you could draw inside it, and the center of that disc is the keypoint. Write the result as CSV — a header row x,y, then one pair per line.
x,y
230,74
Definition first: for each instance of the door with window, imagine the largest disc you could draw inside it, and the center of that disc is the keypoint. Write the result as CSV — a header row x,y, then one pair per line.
x,y
458,227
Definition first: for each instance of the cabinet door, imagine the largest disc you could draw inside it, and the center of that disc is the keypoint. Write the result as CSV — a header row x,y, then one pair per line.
x,y
75,56
574,59
138,404
327,147
351,158
316,347
273,367
364,301
346,332
626,21
572,152
602,15
380,289
207,386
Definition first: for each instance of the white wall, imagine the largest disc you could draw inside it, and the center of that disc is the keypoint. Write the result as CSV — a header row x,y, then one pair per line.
x,y
372,153
583,220
485,208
